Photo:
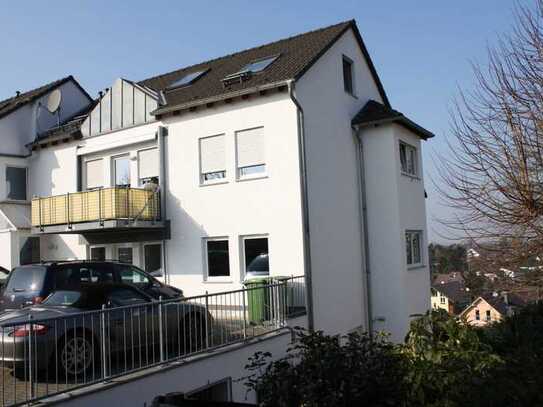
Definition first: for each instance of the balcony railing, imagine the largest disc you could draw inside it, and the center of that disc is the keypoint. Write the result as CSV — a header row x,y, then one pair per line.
x,y
96,206
44,357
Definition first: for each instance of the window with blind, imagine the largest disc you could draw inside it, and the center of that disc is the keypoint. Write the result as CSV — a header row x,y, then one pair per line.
x,y
148,165
250,153
94,174
212,159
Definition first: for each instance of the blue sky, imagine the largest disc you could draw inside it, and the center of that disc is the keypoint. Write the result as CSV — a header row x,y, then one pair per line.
x,y
422,49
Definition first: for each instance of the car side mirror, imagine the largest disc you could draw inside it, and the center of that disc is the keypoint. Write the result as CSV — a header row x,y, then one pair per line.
x,y
157,273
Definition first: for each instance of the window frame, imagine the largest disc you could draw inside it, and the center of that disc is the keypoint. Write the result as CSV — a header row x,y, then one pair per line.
x,y
114,158
157,243
201,174
216,279
350,62
413,264
477,315
97,247
414,149
242,263
27,189
258,175
442,300
141,180
488,316
85,173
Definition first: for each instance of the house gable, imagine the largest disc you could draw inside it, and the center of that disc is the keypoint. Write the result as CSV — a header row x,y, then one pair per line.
x,y
125,104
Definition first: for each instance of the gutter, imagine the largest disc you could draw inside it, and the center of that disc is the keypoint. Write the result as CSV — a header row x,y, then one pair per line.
x,y
363,208
305,206
188,105
161,134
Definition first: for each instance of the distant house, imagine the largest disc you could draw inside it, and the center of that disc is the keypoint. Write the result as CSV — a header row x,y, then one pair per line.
x,y
448,277
491,308
452,296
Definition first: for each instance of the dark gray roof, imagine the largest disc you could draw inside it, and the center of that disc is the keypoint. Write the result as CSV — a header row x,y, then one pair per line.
x,y
374,113
454,291
11,104
499,304
296,55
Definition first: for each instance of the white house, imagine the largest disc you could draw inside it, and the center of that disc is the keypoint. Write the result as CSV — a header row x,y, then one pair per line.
x,y
287,156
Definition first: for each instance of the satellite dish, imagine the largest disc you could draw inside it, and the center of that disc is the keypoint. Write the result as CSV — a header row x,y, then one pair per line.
x,y
53,101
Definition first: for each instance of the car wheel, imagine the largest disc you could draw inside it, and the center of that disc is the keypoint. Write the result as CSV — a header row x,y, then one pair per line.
x,y
75,354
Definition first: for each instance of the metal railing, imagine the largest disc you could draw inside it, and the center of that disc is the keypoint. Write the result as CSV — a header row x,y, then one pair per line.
x,y
44,357
96,205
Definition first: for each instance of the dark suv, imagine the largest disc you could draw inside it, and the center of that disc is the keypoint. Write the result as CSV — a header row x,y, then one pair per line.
x,y
32,283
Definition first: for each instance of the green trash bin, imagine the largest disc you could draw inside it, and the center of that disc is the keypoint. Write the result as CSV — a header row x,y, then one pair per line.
x,y
258,299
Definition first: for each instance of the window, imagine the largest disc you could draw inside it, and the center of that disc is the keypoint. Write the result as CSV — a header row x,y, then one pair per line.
x,y
408,159
98,253
212,159
477,315
30,250
442,300
250,152
132,275
256,255
413,245
218,258
72,275
259,64
348,75
94,174
121,171
153,257
488,317
148,165
125,255
16,183
187,79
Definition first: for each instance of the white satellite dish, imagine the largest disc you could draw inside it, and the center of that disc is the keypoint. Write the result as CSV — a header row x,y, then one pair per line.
x,y
53,101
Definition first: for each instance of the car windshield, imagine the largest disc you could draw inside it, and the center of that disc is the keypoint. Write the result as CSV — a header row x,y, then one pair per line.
x,y
64,298
28,278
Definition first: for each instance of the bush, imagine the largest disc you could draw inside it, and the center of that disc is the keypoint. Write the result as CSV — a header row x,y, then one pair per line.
x,y
322,370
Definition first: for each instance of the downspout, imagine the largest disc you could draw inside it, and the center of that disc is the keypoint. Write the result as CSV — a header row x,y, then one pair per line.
x,y
161,133
363,208
305,206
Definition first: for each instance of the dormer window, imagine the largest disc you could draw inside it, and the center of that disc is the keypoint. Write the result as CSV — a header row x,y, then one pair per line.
x,y
188,79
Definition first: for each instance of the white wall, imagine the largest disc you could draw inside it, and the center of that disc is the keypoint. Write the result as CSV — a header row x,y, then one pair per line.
x,y
395,203
232,209
335,223
7,252
21,126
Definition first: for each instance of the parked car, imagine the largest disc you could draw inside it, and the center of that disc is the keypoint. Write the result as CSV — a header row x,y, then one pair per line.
x,y
67,328
31,284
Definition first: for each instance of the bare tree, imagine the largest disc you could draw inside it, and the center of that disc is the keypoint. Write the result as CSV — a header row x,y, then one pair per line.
x,y
493,174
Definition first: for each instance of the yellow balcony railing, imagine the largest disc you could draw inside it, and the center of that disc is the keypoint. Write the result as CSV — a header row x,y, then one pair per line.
x,y
96,206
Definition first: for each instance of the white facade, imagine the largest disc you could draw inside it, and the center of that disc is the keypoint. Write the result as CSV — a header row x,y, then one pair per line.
x,y
208,198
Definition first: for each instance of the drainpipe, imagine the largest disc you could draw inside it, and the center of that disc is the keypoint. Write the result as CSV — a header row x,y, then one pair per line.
x,y
161,133
363,209
305,206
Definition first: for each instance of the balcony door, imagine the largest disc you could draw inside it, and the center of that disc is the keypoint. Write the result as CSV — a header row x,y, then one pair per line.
x,y
121,171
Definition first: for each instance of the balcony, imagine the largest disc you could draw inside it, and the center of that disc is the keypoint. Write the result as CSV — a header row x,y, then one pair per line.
x,y
100,210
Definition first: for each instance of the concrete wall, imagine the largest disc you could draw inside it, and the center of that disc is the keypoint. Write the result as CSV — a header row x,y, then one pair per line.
x,y
187,378
268,205
335,220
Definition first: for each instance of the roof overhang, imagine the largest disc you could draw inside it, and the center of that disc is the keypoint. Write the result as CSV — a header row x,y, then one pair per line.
x,y
224,97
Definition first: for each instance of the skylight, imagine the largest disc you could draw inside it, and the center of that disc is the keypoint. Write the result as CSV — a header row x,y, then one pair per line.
x,y
187,79
259,65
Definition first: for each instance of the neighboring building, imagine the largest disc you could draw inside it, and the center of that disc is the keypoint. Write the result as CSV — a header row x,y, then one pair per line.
x,y
452,296
491,308
285,159
448,277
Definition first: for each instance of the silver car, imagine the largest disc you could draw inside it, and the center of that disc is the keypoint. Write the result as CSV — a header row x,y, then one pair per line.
x,y
71,333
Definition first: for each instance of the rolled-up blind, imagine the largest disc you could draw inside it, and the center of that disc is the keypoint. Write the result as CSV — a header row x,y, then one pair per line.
x,y
94,173
250,145
148,163
212,154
